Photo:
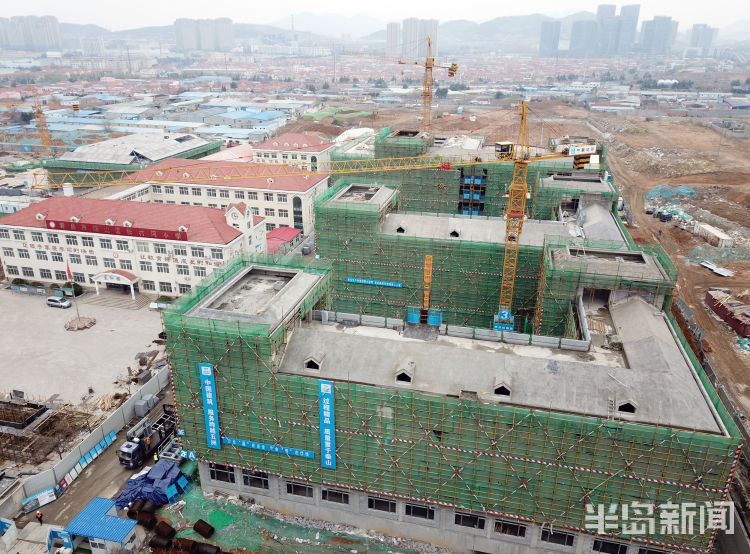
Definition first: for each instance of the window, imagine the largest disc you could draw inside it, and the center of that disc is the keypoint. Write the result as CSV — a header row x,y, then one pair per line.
x,y
285,156
71,240
268,196
166,287
303,156
91,278
180,250
558,537
183,269
56,256
284,213
171,202
219,472
223,193
299,489
213,205
41,255
19,235
333,495
217,254
145,266
156,189
122,245
199,271
23,253
269,212
183,190
256,479
12,270
224,207
609,547
36,236
142,246
87,241
252,195
255,211
8,253
60,275
147,285
168,189
45,274
109,263
239,194
469,520
270,226
162,267
294,156
197,204
5,234
196,191
183,288
381,504
281,198
96,545
417,510
75,259
160,248
79,277
510,528
211,193
91,260
52,238
106,244
196,251
27,272
126,264
646,550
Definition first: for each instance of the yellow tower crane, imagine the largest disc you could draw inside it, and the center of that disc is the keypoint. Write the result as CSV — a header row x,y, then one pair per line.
x,y
41,124
427,83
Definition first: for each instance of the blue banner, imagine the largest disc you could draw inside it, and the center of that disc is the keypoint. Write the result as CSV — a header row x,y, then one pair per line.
x,y
210,408
327,425
375,282
269,447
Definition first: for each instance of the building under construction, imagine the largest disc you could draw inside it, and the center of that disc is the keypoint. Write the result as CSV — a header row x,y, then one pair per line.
x,y
368,387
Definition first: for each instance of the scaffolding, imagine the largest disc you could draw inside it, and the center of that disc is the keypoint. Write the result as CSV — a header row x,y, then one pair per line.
x,y
496,459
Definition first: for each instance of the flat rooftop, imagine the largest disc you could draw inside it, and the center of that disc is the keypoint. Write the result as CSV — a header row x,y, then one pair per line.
x,y
365,194
258,294
590,182
654,376
629,265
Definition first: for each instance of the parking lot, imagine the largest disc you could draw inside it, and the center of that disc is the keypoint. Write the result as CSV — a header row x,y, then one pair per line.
x,y
41,358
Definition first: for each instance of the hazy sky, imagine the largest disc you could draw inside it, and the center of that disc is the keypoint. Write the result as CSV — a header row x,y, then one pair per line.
x,y
140,13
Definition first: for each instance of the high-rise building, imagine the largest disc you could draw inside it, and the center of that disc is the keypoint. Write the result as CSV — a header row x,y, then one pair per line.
x,y
212,35
584,39
428,28
549,41
393,40
607,29
702,36
628,28
657,35
410,38
30,33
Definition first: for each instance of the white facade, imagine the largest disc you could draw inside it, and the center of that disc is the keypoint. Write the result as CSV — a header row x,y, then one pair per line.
x,y
169,267
297,150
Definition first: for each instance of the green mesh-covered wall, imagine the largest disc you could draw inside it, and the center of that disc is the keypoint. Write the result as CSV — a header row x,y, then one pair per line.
x,y
398,144
495,459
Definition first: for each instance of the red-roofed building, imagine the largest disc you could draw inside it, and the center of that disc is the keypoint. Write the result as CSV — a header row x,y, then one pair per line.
x,y
155,247
297,149
280,236
285,199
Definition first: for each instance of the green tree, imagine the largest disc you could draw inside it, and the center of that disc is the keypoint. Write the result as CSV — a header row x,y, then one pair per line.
x,y
380,83
441,93
326,86
233,84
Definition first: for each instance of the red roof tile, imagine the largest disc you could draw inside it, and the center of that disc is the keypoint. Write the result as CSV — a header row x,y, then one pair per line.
x,y
283,233
297,142
239,175
207,225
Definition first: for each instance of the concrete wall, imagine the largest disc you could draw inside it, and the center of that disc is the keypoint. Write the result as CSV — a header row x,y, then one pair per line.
x,y
115,422
442,530
10,500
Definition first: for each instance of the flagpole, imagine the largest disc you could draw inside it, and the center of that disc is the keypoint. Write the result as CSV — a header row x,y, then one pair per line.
x,y
72,285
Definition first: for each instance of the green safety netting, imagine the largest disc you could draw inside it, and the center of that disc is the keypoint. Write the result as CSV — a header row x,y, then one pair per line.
x,y
710,253
668,193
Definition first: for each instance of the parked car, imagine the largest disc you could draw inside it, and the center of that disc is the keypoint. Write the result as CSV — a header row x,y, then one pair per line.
x,y
58,302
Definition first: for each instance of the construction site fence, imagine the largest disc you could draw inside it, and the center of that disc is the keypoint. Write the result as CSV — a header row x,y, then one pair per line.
x,y
114,423
325,316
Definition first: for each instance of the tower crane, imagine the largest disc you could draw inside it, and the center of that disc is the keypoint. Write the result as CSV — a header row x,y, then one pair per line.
x,y
427,82
41,120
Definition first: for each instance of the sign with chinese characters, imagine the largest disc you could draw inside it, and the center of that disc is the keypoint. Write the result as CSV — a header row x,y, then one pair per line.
x,y
134,232
188,454
375,282
327,425
269,447
210,407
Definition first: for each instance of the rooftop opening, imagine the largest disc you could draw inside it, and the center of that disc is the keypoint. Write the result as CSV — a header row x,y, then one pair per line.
x,y
616,256
626,408
403,377
358,193
312,364
400,229
405,133
502,390
250,293
454,234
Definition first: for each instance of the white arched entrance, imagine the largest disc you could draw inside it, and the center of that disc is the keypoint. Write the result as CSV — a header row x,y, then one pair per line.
x,y
116,277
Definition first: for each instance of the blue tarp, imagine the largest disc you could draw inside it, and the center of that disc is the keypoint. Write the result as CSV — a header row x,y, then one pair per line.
x,y
151,486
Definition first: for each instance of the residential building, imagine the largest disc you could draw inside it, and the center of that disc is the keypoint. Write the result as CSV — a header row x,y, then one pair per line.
x,y
628,30
157,248
393,40
584,39
657,35
428,28
283,195
30,32
297,149
410,38
702,37
549,41
210,35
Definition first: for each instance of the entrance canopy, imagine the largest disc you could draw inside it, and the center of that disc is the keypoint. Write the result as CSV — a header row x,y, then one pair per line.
x,y
116,277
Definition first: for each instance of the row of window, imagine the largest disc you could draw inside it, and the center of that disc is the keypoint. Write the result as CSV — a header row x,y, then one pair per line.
x,y
222,193
284,156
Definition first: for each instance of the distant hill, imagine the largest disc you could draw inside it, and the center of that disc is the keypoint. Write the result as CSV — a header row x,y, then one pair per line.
x,y
739,30
163,33
332,25
76,31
